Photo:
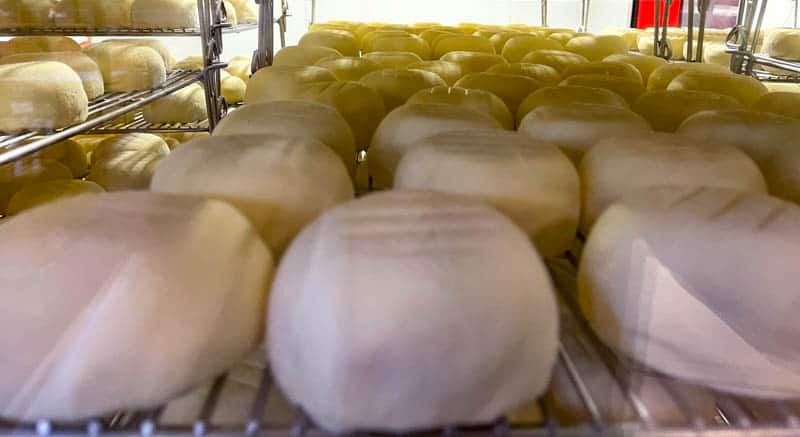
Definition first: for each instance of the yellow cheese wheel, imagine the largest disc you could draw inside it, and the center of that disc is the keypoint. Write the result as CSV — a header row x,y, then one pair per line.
x,y
627,88
287,83
70,154
468,28
500,39
783,103
407,43
119,144
519,46
783,43
316,27
666,110
644,63
397,86
349,68
568,94
19,174
597,48
558,59
551,30
296,56
27,14
41,193
155,44
246,11
84,66
450,72
418,28
461,43
126,171
369,38
128,67
183,106
511,88
715,53
544,74
361,106
190,63
393,59
486,33
34,44
676,42
432,36
662,76
605,68
474,99
344,43
474,62
631,36
233,88
240,69
561,37
745,89
165,14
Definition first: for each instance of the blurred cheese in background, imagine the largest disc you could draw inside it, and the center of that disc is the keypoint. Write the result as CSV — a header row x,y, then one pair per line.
x,y
38,194
16,175
286,83
396,86
349,68
299,56
84,66
568,94
450,72
666,110
474,99
167,14
127,66
183,106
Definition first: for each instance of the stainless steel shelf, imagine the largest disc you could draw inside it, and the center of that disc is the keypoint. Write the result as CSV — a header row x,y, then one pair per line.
x,y
100,31
139,124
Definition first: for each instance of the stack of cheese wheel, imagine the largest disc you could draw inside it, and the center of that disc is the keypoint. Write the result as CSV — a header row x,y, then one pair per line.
x,y
643,292
190,272
84,66
476,100
36,44
19,174
279,182
372,262
618,166
126,162
532,183
92,13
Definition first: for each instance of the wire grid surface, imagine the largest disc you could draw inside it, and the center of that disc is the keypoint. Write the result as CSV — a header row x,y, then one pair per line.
x,y
116,31
592,393
137,123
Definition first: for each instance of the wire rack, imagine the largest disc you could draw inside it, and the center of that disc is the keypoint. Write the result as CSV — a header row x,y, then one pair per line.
x,y
109,31
593,392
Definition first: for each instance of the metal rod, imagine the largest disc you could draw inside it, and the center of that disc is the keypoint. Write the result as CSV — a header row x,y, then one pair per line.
x,y
100,31
544,13
580,387
263,56
703,9
314,12
656,25
690,29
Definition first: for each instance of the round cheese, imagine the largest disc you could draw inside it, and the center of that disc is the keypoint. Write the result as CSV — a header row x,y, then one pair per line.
x,y
40,95
27,14
367,39
511,88
631,36
126,170
783,43
114,145
349,68
474,62
461,43
616,167
561,37
666,110
68,153
83,65
746,90
344,43
280,183
716,54
172,279
183,106
165,14
519,46
16,175
558,59
565,95
407,43
577,127
240,69
287,83
69,13
157,45
782,103
126,67
629,89
642,291
500,39
392,60
476,100
308,120
644,63
396,86
301,56
661,77
597,48
41,193
404,127
450,72
541,73
36,44
246,11
604,68
233,89
532,183
432,36
376,265
361,106
677,43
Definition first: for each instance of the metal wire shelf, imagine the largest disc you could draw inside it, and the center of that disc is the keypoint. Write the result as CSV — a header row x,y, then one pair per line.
x,y
139,124
114,31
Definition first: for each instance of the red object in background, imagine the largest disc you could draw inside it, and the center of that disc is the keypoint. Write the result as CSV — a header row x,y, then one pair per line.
x,y
646,12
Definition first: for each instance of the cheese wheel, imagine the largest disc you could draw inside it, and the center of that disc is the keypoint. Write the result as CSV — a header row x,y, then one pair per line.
x,y
361,106
233,89
511,88
407,43
190,272
183,106
565,95
783,43
41,193
70,154
541,73
770,139
500,39
308,120
111,14
164,14
240,69
577,127
40,95
432,36
597,48
84,66
297,56
450,72
561,37
519,46
461,43
158,46
114,145
476,100
287,83
746,90
418,28
126,170
604,68
349,68
631,36
629,89
643,294
474,62
126,67
404,274
280,183
367,39
616,167
36,44
16,175
344,43
532,183
69,13
246,11
551,30
644,63
231,16
666,110
26,14
558,59
316,27
782,103
715,53
397,86
661,77
676,42
392,60
486,33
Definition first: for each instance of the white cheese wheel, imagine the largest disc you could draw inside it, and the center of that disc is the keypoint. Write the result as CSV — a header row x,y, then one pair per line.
x,y
165,14
361,106
544,74
781,102
532,183
512,88
783,43
287,83
280,183
519,46
233,89
114,145
397,86
461,43
476,100
770,139
616,167
126,170
183,106
389,258
565,95
41,193
297,56
35,44
349,68
661,77
558,59
40,95
644,63
407,43
668,265
597,48
450,72
92,13
474,62
629,89
666,110
745,89
390,60
577,127
157,45
631,36
404,127
172,279
344,43
127,67
68,153
715,53
16,175
83,65
309,120
604,68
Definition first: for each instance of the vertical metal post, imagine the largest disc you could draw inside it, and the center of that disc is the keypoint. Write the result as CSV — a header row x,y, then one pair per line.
x,y
656,25
313,11
264,55
210,33
585,5
690,34
544,13
703,9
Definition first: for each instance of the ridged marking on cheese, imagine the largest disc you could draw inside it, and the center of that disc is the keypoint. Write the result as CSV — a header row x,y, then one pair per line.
x,y
687,197
728,207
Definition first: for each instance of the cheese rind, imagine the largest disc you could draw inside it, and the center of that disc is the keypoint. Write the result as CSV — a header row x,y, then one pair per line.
x,y
450,72
745,89
41,193
476,100
474,62
661,77
392,60
568,94
666,110
646,64
169,14
781,103
604,68
301,56
406,43
783,43
287,83
597,48
16,175
512,88
461,43
84,66
396,86
361,106
37,44
344,43
349,68
69,153
519,46
183,106
541,73
128,67
560,60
